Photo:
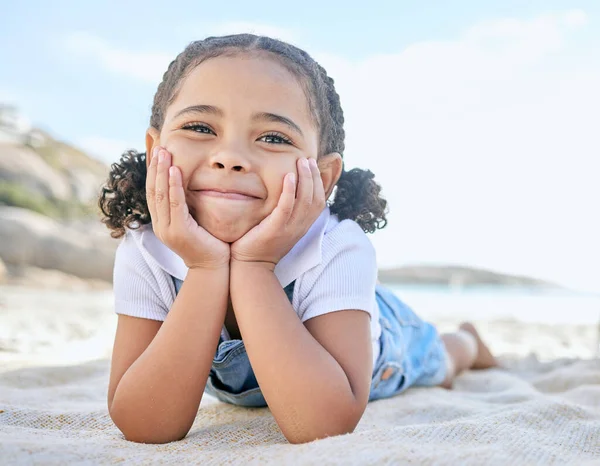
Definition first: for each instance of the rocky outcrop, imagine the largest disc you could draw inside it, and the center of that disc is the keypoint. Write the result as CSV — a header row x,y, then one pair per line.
x,y
455,276
49,228
51,169
22,165
30,239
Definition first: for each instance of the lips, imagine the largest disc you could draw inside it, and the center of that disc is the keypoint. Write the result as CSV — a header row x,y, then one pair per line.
x,y
232,194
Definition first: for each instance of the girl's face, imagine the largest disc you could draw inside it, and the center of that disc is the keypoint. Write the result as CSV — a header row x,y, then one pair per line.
x,y
236,127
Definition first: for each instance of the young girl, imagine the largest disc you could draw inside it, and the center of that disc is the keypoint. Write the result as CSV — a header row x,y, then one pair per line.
x,y
236,276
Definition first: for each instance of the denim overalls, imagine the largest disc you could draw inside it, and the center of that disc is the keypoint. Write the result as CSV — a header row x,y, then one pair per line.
x,y
411,354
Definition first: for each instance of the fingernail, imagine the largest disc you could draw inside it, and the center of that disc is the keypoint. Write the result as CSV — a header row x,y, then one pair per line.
x,y
161,156
293,178
155,151
305,163
313,162
172,171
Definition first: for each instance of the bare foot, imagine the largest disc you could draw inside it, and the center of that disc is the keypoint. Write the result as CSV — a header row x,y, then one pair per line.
x,y
448,384
485,359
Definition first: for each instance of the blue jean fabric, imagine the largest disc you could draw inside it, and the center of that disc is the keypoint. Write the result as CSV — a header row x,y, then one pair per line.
x,y
411,354
411,351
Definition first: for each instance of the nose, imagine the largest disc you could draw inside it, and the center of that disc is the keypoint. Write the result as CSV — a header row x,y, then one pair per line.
x,y
230,159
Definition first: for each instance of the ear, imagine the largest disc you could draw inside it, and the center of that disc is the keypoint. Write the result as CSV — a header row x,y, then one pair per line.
x,y
152,140
330,166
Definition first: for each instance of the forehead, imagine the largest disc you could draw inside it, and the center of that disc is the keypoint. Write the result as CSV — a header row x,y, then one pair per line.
x,y
255,82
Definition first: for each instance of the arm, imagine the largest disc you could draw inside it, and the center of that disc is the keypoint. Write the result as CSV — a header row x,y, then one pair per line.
x,y
158,372
316,379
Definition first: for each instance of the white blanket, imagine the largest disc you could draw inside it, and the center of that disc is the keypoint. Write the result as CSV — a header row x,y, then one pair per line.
x,y
536,413
54,362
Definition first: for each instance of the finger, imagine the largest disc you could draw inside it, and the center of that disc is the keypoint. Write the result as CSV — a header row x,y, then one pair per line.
x,y
304,192
179,209
318,188
305,189
283,211
151,184
162,189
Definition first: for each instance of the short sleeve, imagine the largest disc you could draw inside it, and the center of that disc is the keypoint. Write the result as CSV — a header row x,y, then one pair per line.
x,y
136,288
345,278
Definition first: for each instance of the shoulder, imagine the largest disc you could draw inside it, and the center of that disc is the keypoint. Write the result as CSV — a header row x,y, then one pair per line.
x,y
142,249
130,260
138,255
346,276
141,287
347,255
129,254
128,247
346,238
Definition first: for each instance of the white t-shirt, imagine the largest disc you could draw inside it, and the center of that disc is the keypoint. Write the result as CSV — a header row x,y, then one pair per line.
x,y
333,264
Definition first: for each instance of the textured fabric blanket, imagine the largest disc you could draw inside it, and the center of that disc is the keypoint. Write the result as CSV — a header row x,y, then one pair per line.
x,y
531,413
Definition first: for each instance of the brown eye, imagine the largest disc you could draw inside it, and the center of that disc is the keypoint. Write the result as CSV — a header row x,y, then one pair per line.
x,y
198,128
275,138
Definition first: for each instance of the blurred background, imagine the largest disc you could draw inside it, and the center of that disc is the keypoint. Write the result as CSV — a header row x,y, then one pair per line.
x,y
479,119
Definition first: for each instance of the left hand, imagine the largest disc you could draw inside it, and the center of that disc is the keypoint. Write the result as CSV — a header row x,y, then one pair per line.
x,y
273,238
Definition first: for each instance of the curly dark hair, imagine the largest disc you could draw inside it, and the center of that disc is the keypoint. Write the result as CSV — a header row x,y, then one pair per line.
x,y
123,198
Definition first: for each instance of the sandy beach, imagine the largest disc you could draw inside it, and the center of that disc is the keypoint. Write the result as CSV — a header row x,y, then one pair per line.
x,y
39,326
55,346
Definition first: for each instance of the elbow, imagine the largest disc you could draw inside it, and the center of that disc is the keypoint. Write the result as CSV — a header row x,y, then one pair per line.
x,y
136,428
141,436
307,436
329,425
137,437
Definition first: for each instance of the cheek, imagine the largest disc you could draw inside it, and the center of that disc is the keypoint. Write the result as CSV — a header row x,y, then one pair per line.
x,y
185,155
274,179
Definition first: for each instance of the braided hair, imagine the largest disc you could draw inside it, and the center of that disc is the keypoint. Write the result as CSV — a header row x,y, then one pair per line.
x,y
356,197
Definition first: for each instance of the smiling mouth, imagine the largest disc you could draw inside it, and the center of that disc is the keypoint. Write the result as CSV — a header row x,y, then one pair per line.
x,y
232,195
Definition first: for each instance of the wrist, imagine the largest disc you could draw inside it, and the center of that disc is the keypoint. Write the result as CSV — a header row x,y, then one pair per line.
x,y
251,265
209,265
213,278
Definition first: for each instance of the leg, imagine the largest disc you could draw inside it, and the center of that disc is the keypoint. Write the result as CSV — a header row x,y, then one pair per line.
x,y
467,351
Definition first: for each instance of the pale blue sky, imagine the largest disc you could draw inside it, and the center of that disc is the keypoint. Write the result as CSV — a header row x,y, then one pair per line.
x,y
78,98
487,144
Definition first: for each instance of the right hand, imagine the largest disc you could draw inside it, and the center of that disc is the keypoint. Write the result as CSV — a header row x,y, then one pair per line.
x,y
171,219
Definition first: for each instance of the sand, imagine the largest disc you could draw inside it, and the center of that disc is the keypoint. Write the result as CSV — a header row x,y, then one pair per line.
x,y
54,360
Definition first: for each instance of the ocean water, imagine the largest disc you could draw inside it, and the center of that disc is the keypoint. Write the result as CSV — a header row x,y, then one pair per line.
x,y
530,305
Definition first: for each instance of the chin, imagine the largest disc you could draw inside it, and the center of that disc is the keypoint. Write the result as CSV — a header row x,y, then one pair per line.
x,y
227,236
226,230
226,220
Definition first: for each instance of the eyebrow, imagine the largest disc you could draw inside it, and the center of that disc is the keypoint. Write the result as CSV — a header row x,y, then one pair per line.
x,y
200,109
262,116
273,117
